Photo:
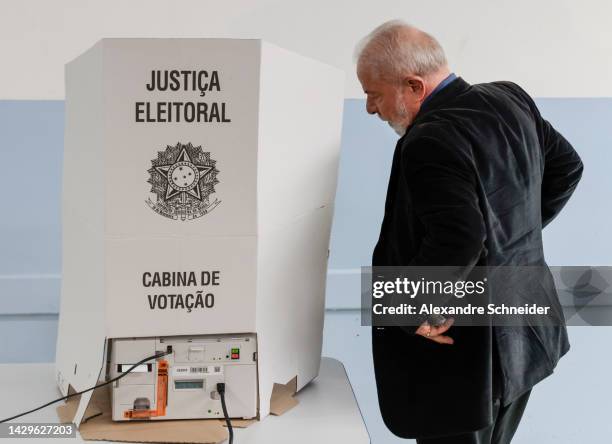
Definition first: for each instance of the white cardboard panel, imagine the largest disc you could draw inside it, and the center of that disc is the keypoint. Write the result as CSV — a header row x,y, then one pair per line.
x,y
80,344
309,301
290,302
130,293
133,145
300,121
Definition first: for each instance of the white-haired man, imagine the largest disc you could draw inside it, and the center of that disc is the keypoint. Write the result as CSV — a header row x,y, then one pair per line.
x,y
476,175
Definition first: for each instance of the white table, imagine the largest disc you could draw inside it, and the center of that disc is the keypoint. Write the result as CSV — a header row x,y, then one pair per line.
x,y
327,411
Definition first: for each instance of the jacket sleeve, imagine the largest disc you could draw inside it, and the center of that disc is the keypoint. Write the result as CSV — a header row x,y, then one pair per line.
x,y
442,184
562,164
562,171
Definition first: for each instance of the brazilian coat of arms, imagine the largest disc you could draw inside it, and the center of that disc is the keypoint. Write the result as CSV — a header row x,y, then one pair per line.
x,y
182,178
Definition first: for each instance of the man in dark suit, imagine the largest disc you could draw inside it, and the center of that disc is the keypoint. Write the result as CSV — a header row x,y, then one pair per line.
x,y
476,175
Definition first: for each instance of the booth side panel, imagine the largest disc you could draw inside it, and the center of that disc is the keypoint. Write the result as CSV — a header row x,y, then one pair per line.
x,y
290,301
300,120
300,123
81,332
314,232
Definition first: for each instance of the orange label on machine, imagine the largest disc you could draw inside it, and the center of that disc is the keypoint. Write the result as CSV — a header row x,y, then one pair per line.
x,y
161,397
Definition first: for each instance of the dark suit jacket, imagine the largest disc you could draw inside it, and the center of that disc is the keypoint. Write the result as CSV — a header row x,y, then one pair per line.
x,y
474,180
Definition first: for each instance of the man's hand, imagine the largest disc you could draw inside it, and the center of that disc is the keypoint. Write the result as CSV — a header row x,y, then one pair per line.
x,y
436,333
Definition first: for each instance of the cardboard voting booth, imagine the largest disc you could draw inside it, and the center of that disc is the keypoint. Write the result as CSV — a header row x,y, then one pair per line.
x,y
199,182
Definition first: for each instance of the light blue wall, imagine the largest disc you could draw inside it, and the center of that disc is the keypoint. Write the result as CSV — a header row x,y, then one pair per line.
x,y
31,144
31,140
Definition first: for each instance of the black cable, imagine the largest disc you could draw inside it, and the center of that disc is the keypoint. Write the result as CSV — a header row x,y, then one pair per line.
x,y
221,391
157,355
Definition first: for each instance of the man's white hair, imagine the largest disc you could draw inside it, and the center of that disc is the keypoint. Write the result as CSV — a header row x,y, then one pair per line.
x,y
396,49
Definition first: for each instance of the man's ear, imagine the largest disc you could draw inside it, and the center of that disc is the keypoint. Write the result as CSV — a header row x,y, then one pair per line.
x,y
416,85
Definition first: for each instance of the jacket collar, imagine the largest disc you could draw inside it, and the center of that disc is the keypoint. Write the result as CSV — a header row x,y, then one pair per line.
x,y
454,88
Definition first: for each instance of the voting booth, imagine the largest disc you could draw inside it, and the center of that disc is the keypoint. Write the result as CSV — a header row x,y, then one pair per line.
x,y
199,183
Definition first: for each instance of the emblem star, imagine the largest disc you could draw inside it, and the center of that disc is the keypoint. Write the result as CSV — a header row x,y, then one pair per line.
x,y
183,176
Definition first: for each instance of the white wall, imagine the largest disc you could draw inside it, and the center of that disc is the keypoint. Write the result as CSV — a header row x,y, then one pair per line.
x,y
554,48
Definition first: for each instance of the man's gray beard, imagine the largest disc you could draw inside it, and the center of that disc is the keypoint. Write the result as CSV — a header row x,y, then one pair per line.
x,y
399,129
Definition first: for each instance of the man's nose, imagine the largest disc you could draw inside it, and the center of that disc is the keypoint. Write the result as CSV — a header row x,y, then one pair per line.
x,y
370,108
